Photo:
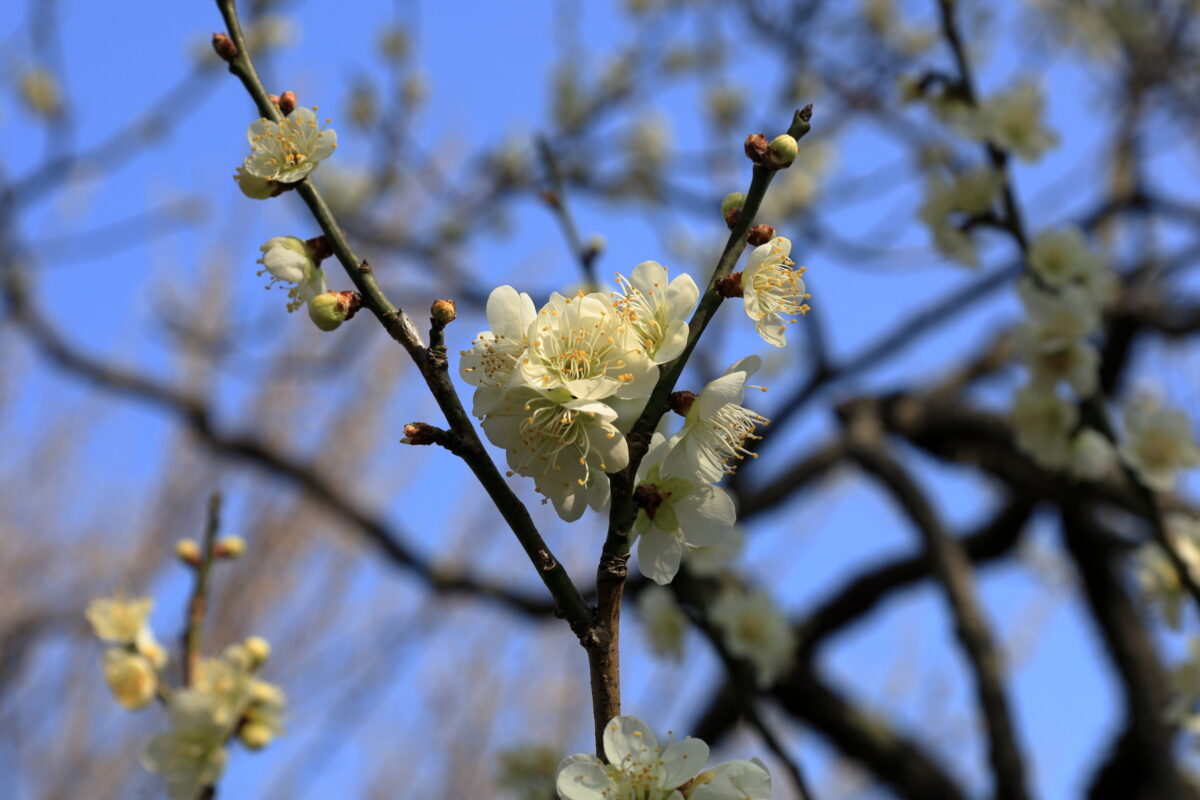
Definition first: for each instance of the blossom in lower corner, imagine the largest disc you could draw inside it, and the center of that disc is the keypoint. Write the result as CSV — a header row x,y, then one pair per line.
x,y
733,780
191,754
290,260
657,309
754,629
675,513
715,428
637,767
565,445
1159,443
287,151
772,292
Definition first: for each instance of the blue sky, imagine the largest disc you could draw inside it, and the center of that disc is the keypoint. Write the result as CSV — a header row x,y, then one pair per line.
x,y
487,66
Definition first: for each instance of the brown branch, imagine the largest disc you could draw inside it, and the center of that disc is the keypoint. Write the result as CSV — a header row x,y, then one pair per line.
x,y
953,572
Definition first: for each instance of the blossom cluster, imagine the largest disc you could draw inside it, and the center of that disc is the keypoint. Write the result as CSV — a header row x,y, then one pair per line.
x,y
134,658
1067,291
639,768
559,388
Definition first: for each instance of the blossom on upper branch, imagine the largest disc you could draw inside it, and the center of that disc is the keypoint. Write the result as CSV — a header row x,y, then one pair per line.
x,y
657,310
288,151
637,767
715,428
772,292
754,629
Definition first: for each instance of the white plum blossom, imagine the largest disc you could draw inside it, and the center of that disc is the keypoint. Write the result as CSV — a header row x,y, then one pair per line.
x,y
1092,455
1060,257
1157,575
191,754
1053,342
1159,443
1012,121
1043,422
124,621
715,428
254,187
637,768
716,558
131,677
755,630
565,445
772,292
494,353
289,260
733,780
663,621
657,310
289,150
970,193
583,345
675,513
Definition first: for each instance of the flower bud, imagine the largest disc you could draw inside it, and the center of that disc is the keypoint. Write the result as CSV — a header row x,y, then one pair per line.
x,y
187,551
760,234
258,649
648,498
731,286
41,93
756,147
331,309
781,152
287,102
131,677
224,47
255,735
731,207
230,547
442,312
418,433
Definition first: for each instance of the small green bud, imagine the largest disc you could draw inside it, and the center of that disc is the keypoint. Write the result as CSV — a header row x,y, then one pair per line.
x,y
230,547
187,551
731,207
331,309
255,735
257,648
782,152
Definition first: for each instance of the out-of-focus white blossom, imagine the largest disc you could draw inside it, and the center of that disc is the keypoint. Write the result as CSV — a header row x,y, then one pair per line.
x,y
1013,120
1159,443
1092,455
131,677
1053,342
755,630
191,754
665,624
1157,575
716,558
1043,422
949,203
1061,258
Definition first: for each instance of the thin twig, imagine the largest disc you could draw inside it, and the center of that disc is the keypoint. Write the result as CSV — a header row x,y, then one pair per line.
x,y
198,603
555,198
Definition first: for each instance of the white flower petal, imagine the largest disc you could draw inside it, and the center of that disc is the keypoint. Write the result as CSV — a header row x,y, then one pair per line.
x,y
706,515
582,777
659,554
627,741
684,760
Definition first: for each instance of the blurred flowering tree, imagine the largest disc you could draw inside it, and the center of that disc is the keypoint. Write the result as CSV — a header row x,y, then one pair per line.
x,y
1022,175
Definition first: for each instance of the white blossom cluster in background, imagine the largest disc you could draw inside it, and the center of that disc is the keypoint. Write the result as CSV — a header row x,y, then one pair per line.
x,y
226,698
639,769
1067,290
559,388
